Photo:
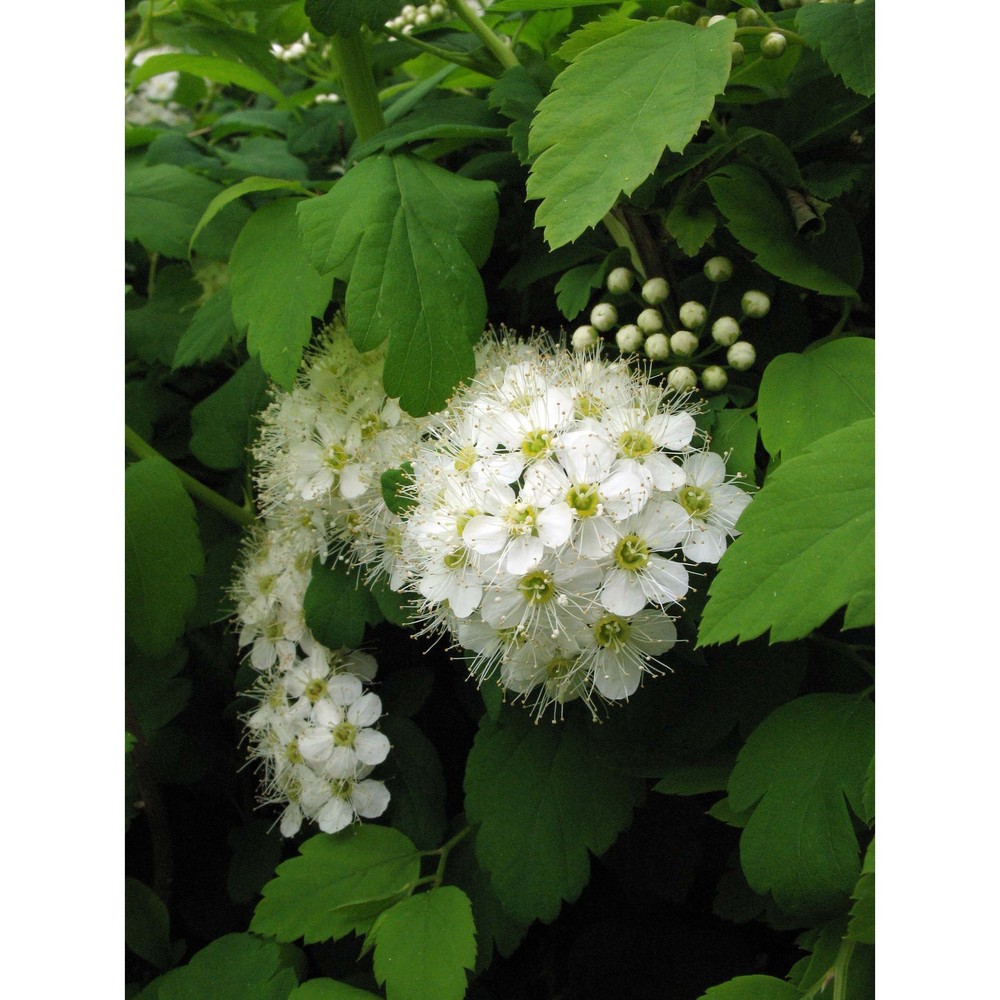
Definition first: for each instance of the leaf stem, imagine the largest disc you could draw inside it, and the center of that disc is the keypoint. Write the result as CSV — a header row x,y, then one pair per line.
x,y
442,852
238,515
448,55
503,55
358,84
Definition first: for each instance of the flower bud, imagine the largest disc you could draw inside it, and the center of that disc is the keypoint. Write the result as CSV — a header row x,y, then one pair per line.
x,y
693,315
773,45
684,343
718,269
436,10
725,331
620,280
716,19
682,379
585,337
658,347
702,22
747,17
629,338
655,291
736,53
714,378
650,321
741,355
755,304
604,316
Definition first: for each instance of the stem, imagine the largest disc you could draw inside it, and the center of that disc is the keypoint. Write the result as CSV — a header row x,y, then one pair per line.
x,y
443,851
840,970
846,650
845,315
448,55
358,84
208,496
482,31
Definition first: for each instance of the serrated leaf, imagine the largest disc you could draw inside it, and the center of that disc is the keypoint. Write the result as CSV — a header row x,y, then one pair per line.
x,y
154,331
221,423
337,885
408,237
155,692
734,434
147,924
391,482
211,68
413,772
764,226
845,36
424,944
248,186
868,795
798,766
615,23
516,95
234,967
805,396
336,606
574,289
275,290
753,988
345,17
162,555
691,230
329,989
613,113
861,926
210,330
543,797
807,546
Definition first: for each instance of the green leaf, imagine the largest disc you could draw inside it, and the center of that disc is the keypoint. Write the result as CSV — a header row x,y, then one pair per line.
x,y
424,944
395,607
147,925
221,423
798,766
336,606
211,329
575,287
154,690
543,797
845,36
408,236
275,290
690,229
391,481
807,546
614,111
753,988
806,396
234,967
615,23
264,156
154,331
516,95
162,554
734,434
248,186
764,226
413,772
337,884
862,923
211,68
345,17
695,779
329,989
868,795
503,6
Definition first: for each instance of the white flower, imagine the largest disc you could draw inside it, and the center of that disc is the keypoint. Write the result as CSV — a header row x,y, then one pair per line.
x,y
341,739
712,506
350,799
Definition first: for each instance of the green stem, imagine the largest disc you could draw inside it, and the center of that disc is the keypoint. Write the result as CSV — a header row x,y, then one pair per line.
x,y
443,851
846,650
448,55
503,55
238,515
792,36
840,970
358,84
845,315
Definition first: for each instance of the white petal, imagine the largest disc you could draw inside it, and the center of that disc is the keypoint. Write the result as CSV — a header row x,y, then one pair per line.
x,y
366,711
555,525
335,815
671,430
352,482
666,474
524,553
665,580
372,747
706,469
706,546
362,665
344,689
622,593
291,820
370,798
623,492
616,679
485,534
464,598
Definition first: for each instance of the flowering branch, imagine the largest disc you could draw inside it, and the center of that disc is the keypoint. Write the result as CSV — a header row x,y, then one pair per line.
x,y
481,30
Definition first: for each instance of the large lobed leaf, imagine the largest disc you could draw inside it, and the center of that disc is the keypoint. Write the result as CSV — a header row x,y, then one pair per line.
x,y
336,606
408,237
337,884
345,17
807,546
798,766
424,944
543,796
845,36
162,554
613,113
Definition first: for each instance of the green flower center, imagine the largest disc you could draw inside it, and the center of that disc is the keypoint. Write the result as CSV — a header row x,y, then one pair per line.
x,y
631,553
635,444
303,561
394,539
371,424
266,583
276,696
463,519
456,559
611,632
536,444
292,753
340,788
537,587
521,519
274,632
559,668
694,500
465,458
336,457
315,690
584,500
344,734
587,406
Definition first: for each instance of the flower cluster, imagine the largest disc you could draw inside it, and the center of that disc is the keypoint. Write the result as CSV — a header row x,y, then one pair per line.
x,y
554,508
151,101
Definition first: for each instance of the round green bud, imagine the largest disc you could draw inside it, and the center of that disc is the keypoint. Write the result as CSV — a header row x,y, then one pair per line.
x,y
620,280
718,269
650,321
604,316
655,291
755,304
736,53
716,19
682,379
658,347
741,355
693,315
629,338
725,331
702,22
747,17
773,45
714,378
585,338
684,343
